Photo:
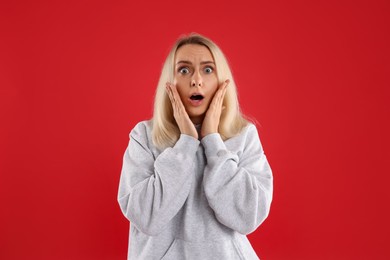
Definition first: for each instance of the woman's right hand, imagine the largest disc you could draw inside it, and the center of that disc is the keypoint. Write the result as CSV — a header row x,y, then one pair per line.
x,y
179,112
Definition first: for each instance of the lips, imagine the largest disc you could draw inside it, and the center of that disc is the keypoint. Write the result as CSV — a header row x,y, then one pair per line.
x,y
196,99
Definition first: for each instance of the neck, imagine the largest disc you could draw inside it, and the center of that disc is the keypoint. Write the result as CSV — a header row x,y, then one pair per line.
x,y
197,120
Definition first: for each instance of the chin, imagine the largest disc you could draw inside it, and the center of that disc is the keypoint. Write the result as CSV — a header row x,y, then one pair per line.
x,y
196,115
193,113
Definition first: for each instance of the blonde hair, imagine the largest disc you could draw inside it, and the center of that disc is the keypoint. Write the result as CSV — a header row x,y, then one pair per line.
x,y
165,131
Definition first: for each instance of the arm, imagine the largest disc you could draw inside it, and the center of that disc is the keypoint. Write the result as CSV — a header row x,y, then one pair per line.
x,y
238,189
152,191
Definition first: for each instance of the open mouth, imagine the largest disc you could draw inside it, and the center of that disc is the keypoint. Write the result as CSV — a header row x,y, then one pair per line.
x,y
196,97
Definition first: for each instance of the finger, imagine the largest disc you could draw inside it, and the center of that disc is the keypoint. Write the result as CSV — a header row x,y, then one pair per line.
x,y
225,84
222,90
175,106
177,96
175,103
221,97
169,92
178,102
174,91
216,98
224,93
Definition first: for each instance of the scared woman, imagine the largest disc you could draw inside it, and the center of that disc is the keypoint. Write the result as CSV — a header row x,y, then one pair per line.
x,y
195,180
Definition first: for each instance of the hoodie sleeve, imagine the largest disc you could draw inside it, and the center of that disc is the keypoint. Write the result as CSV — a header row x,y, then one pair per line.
x,y
152,190
239,186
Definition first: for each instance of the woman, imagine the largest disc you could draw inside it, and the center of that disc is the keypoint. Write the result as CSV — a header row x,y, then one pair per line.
x,y
195,180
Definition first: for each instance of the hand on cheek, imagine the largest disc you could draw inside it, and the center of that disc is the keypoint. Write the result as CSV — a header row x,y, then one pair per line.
x,y
179,112
213,114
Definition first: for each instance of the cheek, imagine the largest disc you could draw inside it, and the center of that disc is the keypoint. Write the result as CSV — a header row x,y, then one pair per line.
x,y
213,91
179,81
179,88
213,84
212,80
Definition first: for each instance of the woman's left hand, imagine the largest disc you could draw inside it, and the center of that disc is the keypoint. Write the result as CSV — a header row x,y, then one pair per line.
x,y
211,120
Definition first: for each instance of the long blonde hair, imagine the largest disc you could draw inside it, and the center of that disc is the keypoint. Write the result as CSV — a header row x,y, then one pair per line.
x,y
165,131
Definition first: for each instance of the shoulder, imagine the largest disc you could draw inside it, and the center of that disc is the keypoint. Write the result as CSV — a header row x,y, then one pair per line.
x,y
249,131
142,130
252,138
250,128
247,138
141,136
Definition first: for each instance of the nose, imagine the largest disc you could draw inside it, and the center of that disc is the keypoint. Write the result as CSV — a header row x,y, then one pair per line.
x,y
196,80
195,84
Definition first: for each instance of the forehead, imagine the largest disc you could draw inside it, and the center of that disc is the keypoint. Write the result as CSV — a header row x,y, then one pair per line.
x,y
193,53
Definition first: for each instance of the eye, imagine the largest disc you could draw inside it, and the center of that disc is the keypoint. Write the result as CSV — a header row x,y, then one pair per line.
x,y
184,70
208,70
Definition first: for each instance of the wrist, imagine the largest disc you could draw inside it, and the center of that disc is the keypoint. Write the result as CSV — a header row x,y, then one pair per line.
x,y
205,133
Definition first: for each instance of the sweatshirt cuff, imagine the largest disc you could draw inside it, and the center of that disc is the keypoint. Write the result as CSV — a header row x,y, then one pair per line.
x,y
214,145
187,143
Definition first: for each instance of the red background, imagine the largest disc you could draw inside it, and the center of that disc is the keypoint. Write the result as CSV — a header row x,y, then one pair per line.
x,y
76,76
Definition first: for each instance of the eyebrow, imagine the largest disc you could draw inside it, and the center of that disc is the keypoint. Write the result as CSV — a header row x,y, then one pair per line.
x,y
189,62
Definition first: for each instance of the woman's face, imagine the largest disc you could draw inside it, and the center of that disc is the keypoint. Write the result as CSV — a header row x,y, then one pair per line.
x,y
196,79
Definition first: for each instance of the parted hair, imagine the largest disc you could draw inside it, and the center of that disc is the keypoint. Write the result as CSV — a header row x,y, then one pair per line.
x,y
165,131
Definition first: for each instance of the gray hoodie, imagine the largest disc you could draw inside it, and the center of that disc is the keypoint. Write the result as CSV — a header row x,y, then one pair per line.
x,y
196,200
